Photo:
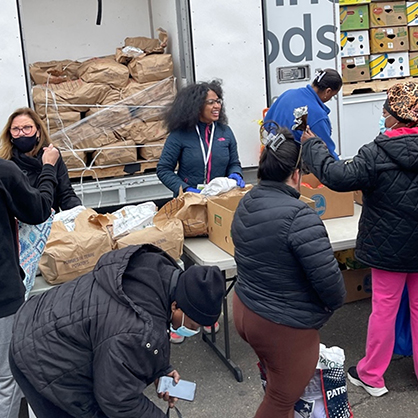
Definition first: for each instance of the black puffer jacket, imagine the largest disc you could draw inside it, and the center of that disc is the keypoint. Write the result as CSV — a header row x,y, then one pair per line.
x,y
287,272
89,347
386,170
65,197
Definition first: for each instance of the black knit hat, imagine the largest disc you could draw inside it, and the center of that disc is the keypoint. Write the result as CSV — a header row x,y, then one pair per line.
x,y
199,294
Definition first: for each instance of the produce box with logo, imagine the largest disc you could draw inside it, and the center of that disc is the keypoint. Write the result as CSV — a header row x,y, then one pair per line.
x,y
355,43
389,13
354,17
391,39
389,65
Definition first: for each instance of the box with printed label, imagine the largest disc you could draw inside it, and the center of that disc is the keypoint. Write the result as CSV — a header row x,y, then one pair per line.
x,y
358,284
412,13
392,13
413,38
389,39
355,43
413,64
345,2
220,215
328,204
389,65
355,69
354,17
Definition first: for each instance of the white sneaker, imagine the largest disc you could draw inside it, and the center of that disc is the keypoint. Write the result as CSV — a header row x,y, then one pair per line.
x,y
356,381
208,330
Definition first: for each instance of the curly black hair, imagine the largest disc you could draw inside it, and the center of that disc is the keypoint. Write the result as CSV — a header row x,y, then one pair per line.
x,y
184,112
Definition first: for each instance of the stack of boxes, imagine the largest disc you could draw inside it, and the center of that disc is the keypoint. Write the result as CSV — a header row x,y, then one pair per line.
x,y
379,39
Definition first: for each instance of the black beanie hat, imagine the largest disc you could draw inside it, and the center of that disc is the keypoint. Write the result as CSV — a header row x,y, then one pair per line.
x,y
199,293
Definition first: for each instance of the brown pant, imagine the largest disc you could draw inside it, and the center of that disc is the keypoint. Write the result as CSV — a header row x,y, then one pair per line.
x,y
289,355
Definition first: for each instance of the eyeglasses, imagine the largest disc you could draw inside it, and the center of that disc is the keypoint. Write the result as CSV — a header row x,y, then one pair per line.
x,y
211,102
26,130
272,139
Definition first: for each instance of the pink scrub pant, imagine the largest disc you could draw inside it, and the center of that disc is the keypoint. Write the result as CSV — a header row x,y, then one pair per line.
x,y
387,288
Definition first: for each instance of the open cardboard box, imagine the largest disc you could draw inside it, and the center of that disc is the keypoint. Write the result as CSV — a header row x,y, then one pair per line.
x,y
328,204
358,284
220,215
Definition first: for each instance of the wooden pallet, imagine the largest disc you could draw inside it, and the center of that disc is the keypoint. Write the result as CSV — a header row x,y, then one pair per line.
x,y
373,86
140,167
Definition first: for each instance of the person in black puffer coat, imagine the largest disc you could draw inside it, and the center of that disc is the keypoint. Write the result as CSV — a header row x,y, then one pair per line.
x,y
289,282
89,348
25,148
386,170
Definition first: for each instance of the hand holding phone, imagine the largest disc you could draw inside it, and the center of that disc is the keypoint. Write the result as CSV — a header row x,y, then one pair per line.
x,y
182,390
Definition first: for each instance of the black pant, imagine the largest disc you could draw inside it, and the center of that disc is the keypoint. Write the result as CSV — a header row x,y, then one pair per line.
x,y
42,407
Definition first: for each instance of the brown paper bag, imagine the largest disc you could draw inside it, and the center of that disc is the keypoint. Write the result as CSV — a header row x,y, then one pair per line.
x,y
145,132
148,45
104,71
58,120
152,150
74,159
146,68
191,209
70,254
123,152
167,235
53,72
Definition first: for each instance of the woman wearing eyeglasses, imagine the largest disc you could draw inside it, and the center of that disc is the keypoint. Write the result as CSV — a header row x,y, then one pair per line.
x,y
22,141
200,141
289,282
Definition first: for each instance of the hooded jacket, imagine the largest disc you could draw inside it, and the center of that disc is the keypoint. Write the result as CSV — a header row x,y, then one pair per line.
x,y
184,148
287,272
91,346
386,170
64,197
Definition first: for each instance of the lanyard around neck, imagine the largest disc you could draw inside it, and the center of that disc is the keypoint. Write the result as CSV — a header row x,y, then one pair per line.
x,y
206,156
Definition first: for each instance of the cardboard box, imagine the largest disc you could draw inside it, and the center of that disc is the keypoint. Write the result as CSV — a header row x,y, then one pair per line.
x,y
220,215
412,13
358,284
354,17
413,38
345,2
391,13
355,69
413,63
389,39
355,43
328,204
389,65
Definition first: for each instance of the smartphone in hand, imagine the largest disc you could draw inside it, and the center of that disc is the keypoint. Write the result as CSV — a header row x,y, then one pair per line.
x,y
182,390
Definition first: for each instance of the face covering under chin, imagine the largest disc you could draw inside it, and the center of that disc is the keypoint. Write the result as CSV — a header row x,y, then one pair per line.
x,y
183,330
25,143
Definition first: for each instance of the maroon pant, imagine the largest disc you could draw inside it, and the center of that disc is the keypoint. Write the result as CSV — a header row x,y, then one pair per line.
x,y
289,355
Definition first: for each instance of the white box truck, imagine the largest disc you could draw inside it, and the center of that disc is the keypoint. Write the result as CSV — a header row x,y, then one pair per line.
x,y
259,48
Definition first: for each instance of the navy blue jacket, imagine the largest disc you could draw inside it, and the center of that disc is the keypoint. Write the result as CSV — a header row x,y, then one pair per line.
x,y
287,272
281,111
183,147
386,170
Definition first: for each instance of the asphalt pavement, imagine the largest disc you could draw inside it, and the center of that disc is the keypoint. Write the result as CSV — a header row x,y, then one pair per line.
x,y
220,395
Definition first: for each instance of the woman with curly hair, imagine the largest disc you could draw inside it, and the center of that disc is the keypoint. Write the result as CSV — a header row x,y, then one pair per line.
x,y
22,141
200,141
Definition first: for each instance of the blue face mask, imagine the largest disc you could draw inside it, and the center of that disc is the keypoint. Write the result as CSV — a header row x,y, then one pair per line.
x,y
382,124
183,330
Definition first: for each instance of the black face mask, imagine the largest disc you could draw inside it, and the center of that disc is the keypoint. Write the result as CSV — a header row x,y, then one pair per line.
x,y
25,143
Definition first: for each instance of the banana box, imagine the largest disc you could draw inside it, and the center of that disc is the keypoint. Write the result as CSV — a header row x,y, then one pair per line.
x,y
389,39
355,43
413,38
391,13
412,13
354,17
389,65
413,64
345,2
355,69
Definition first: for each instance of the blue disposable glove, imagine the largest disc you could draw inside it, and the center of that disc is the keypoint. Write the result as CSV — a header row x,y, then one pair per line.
x,y
240,181
193,190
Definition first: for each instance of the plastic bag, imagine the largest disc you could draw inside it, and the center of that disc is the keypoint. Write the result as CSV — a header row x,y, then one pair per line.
x,y
403,337
32,242
219,185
